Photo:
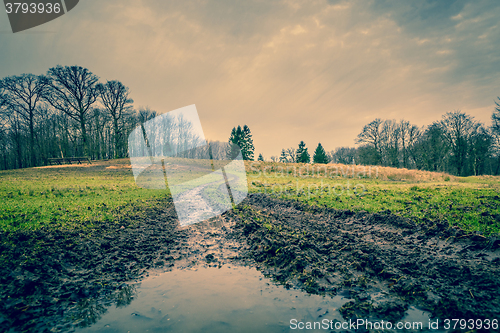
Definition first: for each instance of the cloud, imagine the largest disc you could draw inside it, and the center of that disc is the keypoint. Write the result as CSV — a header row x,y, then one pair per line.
x,y
292,70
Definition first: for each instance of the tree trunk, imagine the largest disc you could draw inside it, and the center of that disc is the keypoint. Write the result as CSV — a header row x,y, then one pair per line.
x,y
32,140
117,152
84,135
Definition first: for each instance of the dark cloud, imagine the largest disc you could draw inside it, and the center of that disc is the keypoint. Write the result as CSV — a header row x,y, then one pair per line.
x,y
319,68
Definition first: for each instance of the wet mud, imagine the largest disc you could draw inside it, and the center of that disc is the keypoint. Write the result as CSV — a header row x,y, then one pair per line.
x,y
443,270
56,281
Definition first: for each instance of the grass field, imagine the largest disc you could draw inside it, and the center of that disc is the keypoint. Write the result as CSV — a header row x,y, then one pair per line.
x,y
70,196
76,196
472,203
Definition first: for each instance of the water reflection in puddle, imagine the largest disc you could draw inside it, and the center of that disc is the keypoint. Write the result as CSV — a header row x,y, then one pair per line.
x,y
229,299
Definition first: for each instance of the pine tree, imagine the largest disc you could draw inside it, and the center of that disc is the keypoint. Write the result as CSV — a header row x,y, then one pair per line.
x,y
283,158
302,154
261,158
234,143
320,155
241,138
247,142
299,151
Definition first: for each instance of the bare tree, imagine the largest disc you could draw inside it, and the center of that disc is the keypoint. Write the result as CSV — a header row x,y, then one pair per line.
x,y
217,150
291,155
495,117
404,129
407,135
73,90
146,114
22,94
479,150
115,99
45,142
343,155
389,141
16,130
495,130
458,128
98,128
371,135
4,133
411,136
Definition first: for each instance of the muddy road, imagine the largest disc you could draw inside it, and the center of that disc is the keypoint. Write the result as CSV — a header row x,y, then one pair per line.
x,y
55,280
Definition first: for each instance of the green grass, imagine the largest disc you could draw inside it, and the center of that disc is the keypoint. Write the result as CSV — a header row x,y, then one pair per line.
x,y
70,196
78,196
472,203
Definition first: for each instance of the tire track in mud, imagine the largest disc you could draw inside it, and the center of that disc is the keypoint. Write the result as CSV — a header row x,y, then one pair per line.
x,y
54,280
197,205
384,262
441,269
195,202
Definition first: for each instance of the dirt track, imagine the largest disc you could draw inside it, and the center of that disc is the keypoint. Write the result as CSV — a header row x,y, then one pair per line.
x,y
441,269
73,277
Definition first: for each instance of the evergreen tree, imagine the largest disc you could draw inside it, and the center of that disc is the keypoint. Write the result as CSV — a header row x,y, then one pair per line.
x,y
261,158
234,142
283,158
302,154
247,149
320,155
241,138
299,151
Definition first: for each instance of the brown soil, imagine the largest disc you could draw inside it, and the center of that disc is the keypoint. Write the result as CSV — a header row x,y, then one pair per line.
x,y
55,280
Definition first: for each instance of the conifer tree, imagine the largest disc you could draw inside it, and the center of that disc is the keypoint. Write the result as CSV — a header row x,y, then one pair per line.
x,y
247,142
320,155
302,154
261,158
234,142
241,138
283,158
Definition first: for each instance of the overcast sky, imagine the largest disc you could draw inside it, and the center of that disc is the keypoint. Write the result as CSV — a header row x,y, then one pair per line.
x,y
292,70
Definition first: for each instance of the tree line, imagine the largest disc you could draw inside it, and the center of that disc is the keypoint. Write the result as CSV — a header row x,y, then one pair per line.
x,y
457,144
301,155
67,112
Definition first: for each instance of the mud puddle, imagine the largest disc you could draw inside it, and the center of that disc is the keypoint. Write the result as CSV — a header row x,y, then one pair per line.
x,y
226,299
382,265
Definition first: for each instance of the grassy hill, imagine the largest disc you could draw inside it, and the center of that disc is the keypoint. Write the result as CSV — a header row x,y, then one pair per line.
x,y
71,196
471,203
76,196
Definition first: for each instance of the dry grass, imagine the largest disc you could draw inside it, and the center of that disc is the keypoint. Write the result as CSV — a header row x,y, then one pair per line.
x,y
401,174
349,171
95,166
333,170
